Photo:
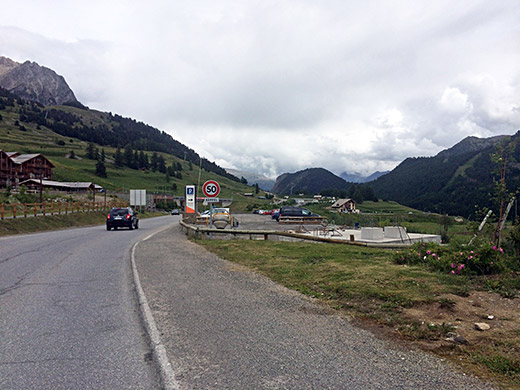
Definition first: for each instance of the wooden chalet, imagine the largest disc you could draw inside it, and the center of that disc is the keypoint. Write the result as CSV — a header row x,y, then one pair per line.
x,y
16,168
345,206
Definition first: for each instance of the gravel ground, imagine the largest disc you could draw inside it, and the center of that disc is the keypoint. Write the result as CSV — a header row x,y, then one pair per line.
x,y
225,327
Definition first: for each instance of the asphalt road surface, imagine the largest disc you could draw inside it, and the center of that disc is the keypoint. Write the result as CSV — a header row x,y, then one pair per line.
x,y
225,327
68,313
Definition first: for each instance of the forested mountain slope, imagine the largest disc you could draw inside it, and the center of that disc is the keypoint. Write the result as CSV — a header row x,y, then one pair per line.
x,y
453,181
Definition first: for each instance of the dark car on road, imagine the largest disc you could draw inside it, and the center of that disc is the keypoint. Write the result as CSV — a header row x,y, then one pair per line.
x,y
122,217
294,211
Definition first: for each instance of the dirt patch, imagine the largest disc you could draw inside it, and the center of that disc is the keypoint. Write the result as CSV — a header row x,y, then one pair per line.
x,y
501,314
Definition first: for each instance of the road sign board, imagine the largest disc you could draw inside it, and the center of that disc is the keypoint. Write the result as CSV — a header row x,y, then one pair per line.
x,y
137,197
190,199
211,189
211,200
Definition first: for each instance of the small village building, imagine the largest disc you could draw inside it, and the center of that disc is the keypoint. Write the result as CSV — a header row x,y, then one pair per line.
x,y
16,168
6,169
345,206
36,184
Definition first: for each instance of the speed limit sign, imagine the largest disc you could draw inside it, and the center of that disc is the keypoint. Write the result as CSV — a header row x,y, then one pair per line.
x,y
211,189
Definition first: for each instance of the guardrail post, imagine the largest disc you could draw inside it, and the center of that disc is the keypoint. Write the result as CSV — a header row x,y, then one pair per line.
x,y
14,210
2,211
52,208
44,208
35,209
25,210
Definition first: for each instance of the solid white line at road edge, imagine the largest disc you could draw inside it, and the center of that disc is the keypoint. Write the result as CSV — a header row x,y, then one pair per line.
x,y
159,351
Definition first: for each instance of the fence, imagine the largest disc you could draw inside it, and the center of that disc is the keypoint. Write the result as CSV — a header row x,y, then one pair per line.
x,y
52,208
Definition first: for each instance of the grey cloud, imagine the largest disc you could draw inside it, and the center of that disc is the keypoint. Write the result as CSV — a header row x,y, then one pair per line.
x,y
279,86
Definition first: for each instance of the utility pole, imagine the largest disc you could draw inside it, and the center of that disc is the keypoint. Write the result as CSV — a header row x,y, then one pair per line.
x,y
41,190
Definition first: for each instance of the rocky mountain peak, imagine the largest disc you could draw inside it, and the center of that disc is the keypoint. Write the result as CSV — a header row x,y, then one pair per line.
x,y
6,65
33,82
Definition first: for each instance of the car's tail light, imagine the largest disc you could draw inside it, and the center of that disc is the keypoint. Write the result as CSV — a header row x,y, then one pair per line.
x,y
127,216
108,216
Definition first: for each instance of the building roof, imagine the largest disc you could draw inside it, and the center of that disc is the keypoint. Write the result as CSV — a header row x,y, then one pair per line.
x,y
341,202
77,185
20,159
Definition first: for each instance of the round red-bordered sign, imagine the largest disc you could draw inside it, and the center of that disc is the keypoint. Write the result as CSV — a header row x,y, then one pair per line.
x,y
211,189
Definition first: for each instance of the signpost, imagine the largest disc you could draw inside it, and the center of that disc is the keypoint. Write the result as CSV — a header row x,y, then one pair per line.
x,y
190,199
211,189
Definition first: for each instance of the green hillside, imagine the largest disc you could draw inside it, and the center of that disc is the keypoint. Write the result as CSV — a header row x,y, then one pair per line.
x,y
454,181
25,136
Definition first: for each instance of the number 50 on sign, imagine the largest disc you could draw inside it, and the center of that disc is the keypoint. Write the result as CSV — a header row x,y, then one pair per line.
x,y
211,189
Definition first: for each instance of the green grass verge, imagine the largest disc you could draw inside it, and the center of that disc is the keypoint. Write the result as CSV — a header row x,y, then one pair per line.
x,y
57,222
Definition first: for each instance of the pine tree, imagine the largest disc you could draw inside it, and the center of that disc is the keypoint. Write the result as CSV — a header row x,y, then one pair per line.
x,y
161,166
90,150
143,160
135,160
118,158
153,163
128,156
101,170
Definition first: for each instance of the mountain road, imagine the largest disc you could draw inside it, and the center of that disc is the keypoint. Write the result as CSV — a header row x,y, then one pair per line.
x,y
68,312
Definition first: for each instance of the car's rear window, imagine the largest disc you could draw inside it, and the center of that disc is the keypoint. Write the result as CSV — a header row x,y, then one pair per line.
x,y
119,212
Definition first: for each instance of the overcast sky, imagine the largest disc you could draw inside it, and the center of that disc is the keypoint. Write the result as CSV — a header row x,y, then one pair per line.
x,y
279,86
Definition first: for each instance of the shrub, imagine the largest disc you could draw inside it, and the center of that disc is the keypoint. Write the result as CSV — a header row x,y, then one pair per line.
x,y
480,259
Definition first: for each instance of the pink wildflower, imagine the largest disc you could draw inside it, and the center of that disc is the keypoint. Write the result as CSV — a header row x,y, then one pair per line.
x,y
453,265
471,252
501,250
453,272
470,257
494,247
491,263
428,252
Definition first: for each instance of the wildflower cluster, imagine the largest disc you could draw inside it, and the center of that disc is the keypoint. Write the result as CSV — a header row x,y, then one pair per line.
x,y
419,253
481,260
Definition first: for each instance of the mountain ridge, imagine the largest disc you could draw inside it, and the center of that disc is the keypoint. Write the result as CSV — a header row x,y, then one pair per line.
x,y
308,181
33,82
455,180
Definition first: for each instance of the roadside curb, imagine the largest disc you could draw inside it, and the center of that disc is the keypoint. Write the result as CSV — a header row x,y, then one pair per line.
x,y
158,350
